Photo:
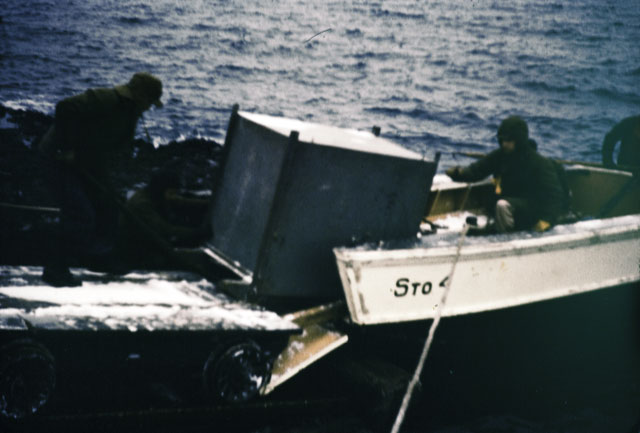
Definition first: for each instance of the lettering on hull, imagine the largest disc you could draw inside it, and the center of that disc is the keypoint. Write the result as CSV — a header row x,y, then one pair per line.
x,y
404,286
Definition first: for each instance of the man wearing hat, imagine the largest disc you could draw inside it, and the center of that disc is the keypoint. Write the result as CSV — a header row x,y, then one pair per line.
x,y
529,187
88,130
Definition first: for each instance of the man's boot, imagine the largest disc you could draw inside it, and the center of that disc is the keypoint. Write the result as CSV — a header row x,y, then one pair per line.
x,y
59,276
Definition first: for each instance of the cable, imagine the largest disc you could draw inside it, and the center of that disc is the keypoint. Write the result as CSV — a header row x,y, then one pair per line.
x,y
427,345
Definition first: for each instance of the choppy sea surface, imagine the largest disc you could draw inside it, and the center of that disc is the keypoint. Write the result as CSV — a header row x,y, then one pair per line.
x,y
436,75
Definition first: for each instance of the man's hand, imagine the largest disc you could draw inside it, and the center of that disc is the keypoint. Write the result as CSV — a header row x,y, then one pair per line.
x,y
541,226
497,183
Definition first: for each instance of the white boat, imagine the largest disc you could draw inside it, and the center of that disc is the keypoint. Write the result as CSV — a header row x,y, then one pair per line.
x,y
399,281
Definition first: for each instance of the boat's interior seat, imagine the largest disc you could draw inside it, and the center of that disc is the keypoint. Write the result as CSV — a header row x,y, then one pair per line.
x,y
598,193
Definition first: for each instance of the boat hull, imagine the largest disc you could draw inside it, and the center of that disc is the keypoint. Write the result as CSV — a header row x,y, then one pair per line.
x,y
404,284
546,361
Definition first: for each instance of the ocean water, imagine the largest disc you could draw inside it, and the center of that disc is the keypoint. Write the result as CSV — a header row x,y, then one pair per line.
x,y
435,75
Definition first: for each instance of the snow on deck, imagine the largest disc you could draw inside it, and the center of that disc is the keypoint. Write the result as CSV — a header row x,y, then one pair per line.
x,y
448,234
148,301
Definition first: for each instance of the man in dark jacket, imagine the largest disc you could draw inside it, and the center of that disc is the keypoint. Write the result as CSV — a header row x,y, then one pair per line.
x,y
627,132
528,189
88,130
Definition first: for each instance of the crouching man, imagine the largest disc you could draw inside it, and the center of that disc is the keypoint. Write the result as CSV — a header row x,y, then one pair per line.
x,y
529,187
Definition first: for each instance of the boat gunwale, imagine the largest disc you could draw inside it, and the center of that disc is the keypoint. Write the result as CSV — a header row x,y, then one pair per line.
x,y
491,249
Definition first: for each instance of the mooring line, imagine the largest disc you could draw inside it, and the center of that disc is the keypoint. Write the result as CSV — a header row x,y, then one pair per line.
x,y
30,207
427,345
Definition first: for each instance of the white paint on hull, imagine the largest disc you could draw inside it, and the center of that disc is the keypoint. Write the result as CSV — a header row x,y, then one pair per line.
x,y
393,285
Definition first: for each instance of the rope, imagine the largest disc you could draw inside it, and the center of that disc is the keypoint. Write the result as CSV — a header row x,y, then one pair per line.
x,y
29,207
427,344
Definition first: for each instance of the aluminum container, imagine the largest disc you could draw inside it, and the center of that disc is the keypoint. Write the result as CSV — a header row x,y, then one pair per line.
x,y
290,191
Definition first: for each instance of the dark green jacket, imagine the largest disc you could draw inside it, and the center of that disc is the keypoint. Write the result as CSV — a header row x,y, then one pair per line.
x,y
623,132
91,126
527,175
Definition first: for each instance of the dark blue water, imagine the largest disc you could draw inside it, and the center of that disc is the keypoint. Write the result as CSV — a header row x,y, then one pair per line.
x,y
435,75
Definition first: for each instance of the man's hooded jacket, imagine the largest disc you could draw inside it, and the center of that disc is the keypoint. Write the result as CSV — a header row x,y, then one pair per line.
x,y
522,174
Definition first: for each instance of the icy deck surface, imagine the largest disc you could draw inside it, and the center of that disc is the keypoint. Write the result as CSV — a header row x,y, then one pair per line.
x,y
448,234
133,302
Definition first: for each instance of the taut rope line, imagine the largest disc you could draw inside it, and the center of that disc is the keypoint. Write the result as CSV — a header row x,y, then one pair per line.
x,y
427,345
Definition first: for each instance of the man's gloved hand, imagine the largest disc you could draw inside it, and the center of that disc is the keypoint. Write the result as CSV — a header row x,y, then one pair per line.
x,y
541,226
453,172
497,183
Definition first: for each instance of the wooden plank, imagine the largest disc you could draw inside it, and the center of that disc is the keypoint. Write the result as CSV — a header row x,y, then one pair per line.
x,y
315,342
